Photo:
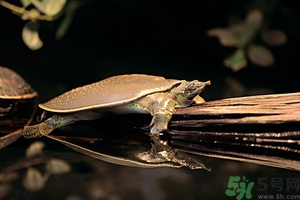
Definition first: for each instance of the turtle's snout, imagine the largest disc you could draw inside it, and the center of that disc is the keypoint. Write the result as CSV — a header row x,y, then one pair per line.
x,y
201,85
194,88
187,91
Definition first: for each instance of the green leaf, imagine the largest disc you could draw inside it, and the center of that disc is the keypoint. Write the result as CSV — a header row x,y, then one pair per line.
x,y
237,61
237,28
34,149
260,55
225,36
255,17
33,180
49,7
57,166
252,24
26,3
32,14
31,36
68,18
274,37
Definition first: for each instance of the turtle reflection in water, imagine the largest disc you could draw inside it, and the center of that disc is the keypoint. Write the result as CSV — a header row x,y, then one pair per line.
x,y
134,93
13,89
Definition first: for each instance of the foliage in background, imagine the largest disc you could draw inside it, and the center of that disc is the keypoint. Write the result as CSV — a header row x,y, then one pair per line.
x,y
33,180
42,10
242,34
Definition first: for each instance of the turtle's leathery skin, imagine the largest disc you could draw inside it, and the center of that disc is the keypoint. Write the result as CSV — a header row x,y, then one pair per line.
x,y
126,94
57,121
161,106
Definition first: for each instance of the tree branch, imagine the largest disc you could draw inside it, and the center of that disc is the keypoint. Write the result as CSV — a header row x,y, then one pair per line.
x,y
25,13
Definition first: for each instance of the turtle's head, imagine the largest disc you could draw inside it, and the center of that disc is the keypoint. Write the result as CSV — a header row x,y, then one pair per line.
x,y
187,91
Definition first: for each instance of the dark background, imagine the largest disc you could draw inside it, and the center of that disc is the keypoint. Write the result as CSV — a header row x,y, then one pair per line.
x,y
165,38
156,37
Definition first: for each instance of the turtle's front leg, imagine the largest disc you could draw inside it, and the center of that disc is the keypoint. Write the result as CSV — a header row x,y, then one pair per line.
x,y
162,108
57,121
162,114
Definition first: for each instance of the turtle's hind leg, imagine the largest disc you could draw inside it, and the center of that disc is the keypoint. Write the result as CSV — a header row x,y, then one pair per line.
x,y
41,129
57,121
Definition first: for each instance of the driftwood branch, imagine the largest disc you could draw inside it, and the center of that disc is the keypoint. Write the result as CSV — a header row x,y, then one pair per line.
x,y
262,129
275,108
278,108
258,114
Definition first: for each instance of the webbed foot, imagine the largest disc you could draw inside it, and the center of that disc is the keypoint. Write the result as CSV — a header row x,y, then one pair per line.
x,y
57,121
39,130
32,131
161,152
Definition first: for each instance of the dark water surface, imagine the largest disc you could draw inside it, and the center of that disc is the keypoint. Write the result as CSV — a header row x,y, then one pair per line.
x,y
93,179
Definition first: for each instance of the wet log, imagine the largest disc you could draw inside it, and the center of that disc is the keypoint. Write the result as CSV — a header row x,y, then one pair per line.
x,y
261,109
263,119
276,108
262,113
263,129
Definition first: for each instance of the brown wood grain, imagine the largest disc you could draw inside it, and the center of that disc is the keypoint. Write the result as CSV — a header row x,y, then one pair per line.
x,y
263,121
263,129
276,108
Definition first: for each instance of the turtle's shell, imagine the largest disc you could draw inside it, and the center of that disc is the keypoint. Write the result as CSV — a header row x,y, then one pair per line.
x,y
110,92
13,86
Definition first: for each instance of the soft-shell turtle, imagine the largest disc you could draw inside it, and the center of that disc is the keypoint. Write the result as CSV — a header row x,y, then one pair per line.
x,y
13,88
123,94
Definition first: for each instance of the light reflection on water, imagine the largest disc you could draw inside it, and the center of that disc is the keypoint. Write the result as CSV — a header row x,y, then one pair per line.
x,y
94,179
